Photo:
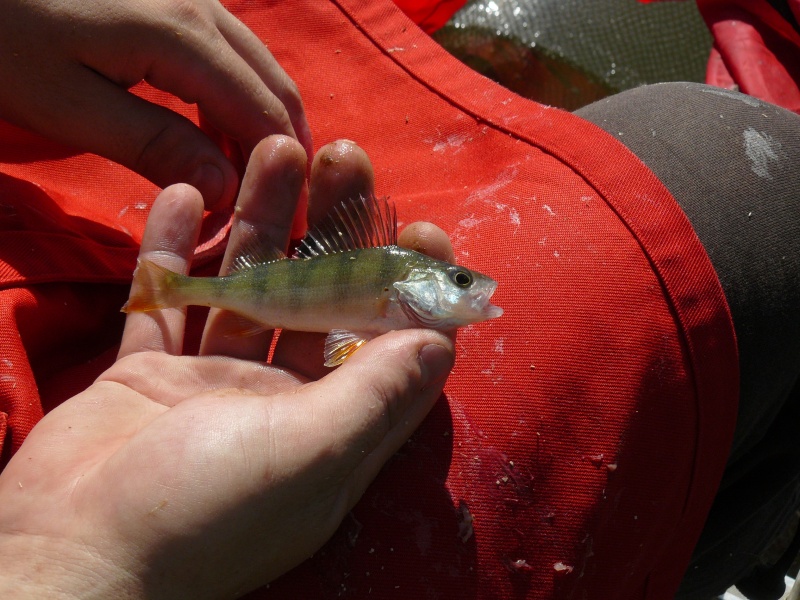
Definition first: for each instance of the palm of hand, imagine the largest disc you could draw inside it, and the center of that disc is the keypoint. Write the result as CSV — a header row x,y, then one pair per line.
x,y
207,476
158,437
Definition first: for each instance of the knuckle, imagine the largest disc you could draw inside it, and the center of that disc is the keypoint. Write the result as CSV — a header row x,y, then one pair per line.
x,y
188,12
292,98
390,394
382,399
278,115
164,150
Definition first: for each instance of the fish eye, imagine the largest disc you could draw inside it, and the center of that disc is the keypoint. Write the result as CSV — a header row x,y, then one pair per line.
x,y
461,278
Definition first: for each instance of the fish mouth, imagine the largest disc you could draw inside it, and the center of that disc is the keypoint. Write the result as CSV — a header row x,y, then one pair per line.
x,y
483,300
490,311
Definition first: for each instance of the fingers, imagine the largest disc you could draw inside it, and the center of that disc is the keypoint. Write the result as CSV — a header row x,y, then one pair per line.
x,y
170,237
340,170
204,68
429,239
76,106
270,191
71,63
204,55
258,57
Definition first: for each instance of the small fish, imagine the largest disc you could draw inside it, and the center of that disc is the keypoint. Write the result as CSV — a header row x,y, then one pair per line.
x,y
348,278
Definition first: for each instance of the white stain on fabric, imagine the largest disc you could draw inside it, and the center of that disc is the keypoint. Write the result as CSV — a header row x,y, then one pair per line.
x,y
488,192
454,141
470,222
548,210
763,151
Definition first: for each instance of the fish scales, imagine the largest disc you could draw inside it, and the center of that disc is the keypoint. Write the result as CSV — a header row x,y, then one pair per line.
x,y
304,294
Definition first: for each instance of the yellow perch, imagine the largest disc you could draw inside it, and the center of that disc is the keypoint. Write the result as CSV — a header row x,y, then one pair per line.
x,y
348,278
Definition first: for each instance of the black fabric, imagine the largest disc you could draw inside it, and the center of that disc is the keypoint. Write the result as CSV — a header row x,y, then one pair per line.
x,y
767,582
731,161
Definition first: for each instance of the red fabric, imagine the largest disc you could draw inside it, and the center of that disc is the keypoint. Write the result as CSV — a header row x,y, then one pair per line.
x,y
755,49
583,434
430,15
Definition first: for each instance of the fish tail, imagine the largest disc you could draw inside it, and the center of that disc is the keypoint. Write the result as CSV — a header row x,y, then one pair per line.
x,y
153,288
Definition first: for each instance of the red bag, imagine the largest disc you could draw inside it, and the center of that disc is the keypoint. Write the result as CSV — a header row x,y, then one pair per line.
x,y
583,434
430,15
755,50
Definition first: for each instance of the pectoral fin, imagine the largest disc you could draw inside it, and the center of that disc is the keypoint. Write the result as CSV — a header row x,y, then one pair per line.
x,y
340,344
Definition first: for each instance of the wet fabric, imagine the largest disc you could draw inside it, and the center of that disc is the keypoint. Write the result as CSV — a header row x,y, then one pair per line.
x,y
568,53
756,45
582,436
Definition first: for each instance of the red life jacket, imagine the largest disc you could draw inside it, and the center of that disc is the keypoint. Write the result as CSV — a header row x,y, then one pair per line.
x,y
583,434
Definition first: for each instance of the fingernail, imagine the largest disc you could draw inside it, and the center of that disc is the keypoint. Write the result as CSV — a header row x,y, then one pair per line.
x,y
210,181
435,362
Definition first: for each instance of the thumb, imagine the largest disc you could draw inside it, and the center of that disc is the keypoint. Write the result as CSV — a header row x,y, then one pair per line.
x,y
92,113
368,408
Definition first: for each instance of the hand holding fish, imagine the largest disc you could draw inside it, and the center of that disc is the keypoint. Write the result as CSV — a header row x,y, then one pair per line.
x,y
67,67
207,476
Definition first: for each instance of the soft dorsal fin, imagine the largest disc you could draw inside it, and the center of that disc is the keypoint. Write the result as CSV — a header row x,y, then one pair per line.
x,y
252,255
363,222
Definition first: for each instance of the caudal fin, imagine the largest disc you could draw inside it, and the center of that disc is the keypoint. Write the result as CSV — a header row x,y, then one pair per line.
x,y
152,288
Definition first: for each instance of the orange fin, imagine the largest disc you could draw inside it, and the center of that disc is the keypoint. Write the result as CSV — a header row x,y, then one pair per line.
x,y
239,326
151,287
340,344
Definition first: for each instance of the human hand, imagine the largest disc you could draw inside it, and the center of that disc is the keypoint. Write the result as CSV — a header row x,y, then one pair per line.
x,y
208,476
67,67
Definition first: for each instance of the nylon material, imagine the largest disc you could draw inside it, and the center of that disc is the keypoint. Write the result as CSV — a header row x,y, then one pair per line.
x,y
127,197
56,189
430,15
578,392
755,50
743,49
31,258
3,429
456,141
436,522
19,398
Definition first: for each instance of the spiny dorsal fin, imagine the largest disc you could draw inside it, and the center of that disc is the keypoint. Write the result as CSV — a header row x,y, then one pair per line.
x,y
357,223
252,255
